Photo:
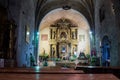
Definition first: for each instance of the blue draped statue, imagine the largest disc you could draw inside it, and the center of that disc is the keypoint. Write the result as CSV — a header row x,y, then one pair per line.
x,y
106,55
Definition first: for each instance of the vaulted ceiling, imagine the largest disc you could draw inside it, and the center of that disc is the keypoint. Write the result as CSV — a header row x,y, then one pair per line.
x,y
85,7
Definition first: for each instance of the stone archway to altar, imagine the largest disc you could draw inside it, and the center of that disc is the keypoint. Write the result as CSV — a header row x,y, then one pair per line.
x,y
63,33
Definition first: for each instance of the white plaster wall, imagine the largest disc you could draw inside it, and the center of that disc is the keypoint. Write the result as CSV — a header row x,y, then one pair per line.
x,y
83,44
44,44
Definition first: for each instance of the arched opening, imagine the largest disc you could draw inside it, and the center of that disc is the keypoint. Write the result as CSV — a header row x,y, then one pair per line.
x,y
63,33
105,51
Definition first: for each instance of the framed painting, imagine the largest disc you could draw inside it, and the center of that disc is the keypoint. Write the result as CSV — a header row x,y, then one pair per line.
x,y
44,37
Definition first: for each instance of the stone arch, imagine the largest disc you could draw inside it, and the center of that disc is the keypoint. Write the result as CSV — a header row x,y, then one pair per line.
x,y
74,16
87,10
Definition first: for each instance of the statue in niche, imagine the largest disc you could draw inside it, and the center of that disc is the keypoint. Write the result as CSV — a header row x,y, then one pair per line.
x,y
63,49
75,51
105,51
43,52
82,55
54,34
73,35
53,52
63,35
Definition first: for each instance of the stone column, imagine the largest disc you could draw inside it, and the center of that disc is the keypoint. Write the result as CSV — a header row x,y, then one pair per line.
x,y
116,7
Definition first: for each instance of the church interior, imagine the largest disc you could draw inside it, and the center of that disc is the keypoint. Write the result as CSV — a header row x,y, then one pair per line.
x,y
76,38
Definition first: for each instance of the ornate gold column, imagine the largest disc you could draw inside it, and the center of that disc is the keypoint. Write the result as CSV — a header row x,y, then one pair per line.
x,y
52,42
74,40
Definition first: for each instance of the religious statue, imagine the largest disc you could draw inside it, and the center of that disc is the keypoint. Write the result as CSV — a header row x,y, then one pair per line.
x,y
73,35
106,54
63,35
32,60
63,49
54,35
43,51
74,50
82,55
53,52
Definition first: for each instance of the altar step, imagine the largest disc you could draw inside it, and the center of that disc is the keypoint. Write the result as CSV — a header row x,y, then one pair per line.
x,y
53,73
43,70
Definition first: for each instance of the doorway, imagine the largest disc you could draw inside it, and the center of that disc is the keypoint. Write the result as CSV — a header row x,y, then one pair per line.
x,y
105,51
